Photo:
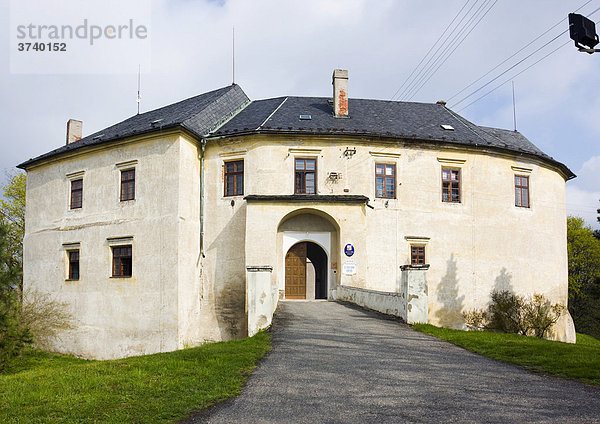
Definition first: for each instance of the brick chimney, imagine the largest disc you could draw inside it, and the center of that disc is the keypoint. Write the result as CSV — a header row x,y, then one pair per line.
x,y
340,93
74,130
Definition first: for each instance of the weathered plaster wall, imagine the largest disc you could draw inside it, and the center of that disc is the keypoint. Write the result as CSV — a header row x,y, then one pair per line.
x,y
224,264
482,243
194,313
179,297
115,317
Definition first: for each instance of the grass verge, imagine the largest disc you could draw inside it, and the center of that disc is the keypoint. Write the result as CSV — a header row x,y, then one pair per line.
x,y
166,387
580,361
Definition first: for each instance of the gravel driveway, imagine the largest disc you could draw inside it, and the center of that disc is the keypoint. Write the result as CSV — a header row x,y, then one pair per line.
x,y
335,363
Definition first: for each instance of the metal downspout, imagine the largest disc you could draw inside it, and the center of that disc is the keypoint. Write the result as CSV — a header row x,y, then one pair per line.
x,y
202,148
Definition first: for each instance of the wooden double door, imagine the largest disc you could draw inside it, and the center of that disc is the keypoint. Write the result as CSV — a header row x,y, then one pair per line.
x,y
295,272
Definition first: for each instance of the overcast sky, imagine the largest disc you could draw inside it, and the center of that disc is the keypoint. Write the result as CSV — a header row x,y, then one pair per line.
x,y
292,47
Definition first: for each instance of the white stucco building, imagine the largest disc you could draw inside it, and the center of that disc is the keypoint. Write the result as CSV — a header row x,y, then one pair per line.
x,y
186,224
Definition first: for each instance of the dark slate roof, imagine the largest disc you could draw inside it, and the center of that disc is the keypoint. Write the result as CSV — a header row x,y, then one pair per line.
x,y
375,118
205,114
199,115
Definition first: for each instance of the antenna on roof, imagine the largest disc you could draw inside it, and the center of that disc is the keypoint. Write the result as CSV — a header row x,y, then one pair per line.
x,y
233,54
139,97
514,106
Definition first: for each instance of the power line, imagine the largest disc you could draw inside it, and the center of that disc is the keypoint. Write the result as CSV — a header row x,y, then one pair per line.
x,y
514,76
512,67
459,26
519,73
514,54
515,65
430,49
454,49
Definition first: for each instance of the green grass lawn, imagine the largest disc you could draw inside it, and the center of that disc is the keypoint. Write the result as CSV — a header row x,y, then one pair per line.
x,y
165,387
580,361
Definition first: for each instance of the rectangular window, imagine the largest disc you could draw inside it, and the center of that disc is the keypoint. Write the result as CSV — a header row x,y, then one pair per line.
x,y
385,181
417,255
234,178
76,193
451,185
121,261
305,176
73,264
128,184
521,191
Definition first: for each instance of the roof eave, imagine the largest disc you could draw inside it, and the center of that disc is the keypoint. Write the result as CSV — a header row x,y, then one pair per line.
x,y
567,173
81,149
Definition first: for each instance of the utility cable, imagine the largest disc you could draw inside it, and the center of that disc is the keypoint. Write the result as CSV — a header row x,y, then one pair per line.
x,y
514,54
430,49
515,65
453,50
416,76
514,76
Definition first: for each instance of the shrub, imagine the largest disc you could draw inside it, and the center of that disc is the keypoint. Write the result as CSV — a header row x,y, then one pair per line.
x,y
14,336
38,320
539,315
511,313
44,317
505,312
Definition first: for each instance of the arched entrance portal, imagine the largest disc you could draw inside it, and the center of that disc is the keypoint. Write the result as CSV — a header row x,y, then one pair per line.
x,y
306,272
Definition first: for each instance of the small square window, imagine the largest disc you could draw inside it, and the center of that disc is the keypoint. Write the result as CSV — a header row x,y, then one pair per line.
x,y
128,184
76,194
73,256
417,255
122,261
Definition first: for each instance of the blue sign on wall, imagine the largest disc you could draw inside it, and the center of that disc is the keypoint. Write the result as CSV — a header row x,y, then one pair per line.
x,y
349,250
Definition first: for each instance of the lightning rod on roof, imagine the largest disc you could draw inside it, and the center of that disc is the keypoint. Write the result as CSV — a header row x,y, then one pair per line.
x,y
233,55
514,106
139,97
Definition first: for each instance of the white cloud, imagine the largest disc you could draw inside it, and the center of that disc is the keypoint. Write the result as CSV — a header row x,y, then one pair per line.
x,y
291,48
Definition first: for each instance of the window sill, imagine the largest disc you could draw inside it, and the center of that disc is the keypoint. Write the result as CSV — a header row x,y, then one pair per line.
x,y
414,266
71,279
120,277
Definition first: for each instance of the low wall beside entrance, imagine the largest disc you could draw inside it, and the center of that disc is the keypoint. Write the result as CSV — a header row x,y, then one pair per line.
x,y
388,303
261,298
411,304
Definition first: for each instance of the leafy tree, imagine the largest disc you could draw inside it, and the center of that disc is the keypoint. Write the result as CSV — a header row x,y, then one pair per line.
x,y
13,334
12,214
584,276
597,232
